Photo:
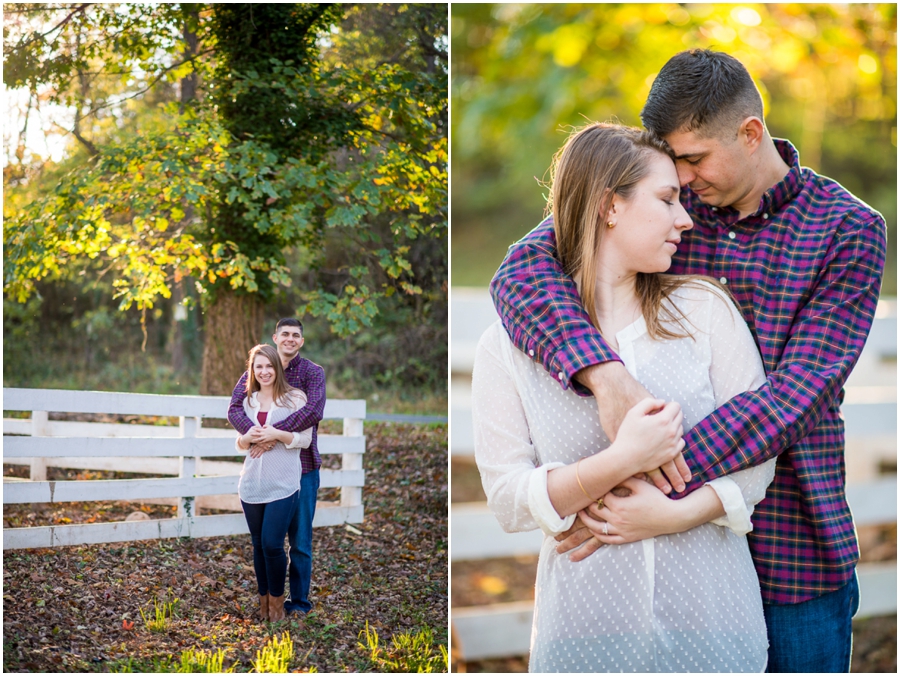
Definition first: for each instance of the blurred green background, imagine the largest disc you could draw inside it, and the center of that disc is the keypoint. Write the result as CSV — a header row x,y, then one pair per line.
x,y
523,74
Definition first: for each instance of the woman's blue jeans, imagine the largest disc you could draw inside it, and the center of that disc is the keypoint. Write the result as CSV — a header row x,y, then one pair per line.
x,y
815,636
268,523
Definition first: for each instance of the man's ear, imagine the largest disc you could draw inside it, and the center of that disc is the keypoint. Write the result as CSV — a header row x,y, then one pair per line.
x,y
751,133
302,339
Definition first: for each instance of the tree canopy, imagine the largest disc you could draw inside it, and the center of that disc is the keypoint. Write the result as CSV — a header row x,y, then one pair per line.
x,y
292,135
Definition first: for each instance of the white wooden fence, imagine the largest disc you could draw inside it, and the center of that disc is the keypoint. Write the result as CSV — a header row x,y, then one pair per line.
x,y
870,412
152,449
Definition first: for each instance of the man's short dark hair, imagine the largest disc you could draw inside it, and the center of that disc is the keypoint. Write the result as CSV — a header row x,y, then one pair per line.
x,y
289,321
699,90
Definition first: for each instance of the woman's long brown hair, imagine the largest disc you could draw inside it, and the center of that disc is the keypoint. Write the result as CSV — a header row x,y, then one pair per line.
x,y
280,387
596,162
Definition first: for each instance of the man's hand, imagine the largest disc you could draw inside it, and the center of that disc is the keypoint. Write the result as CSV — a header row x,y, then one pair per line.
x,y
257,450
577,536
617,393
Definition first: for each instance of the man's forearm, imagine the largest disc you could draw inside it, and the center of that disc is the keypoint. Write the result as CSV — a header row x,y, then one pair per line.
x,y
616,392
236,414
311,414
542,312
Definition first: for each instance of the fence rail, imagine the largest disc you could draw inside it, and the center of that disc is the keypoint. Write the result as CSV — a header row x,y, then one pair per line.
x,y
153,449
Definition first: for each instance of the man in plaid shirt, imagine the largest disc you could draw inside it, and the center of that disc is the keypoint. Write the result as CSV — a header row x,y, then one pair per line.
x,y
309,377
804,259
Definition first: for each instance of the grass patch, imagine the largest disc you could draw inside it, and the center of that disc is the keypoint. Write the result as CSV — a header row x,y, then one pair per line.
x,y
410,652
161,616
276,655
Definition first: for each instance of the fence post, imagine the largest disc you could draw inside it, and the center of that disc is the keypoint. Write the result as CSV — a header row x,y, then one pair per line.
x,y
39,428
351,496
187,466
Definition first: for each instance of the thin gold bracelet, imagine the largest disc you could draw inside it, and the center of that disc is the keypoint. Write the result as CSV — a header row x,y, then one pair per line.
x,y
579,481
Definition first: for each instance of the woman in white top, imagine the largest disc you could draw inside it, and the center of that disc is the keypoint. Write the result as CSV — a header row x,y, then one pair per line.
x,y
270,480
688,599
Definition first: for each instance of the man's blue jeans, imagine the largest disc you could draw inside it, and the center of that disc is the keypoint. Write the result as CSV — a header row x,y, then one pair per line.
x,y
300,537
268,522
815,636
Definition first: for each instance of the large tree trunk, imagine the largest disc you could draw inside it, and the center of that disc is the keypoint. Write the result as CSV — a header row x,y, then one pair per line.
x,y
231,326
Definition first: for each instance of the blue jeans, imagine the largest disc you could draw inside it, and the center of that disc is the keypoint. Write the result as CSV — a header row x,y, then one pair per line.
x,y
300,534
268,523
815,636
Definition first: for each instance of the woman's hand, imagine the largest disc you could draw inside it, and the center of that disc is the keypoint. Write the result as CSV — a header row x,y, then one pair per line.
x,y
644,513
650,434
250,438
273,434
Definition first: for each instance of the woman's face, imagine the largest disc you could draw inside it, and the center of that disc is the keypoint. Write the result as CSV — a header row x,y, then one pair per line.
x,y
263,370
648,226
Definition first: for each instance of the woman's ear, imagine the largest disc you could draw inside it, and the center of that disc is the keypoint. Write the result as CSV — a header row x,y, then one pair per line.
x,y
613,212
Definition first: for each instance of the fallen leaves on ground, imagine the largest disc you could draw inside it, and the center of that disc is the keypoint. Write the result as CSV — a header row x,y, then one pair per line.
x,y
79,608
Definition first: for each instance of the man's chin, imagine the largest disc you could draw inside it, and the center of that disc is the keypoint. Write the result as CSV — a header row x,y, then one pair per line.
x,y
707,196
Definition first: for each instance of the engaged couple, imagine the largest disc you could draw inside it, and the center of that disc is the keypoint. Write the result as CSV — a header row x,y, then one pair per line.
x,y
276,407
728,547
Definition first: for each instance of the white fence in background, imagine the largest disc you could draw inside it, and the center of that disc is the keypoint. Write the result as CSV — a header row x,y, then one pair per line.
x,y
152,449
870,414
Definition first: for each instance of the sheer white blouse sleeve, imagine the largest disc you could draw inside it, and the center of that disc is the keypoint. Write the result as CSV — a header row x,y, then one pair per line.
x,y
514,481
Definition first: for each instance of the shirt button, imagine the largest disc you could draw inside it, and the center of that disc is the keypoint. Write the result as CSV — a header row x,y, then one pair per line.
x,y
561,375
730,235
530,353
715,208
723,280
766,217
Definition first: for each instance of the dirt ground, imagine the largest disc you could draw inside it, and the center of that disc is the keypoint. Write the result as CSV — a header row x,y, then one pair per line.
x,y
475,583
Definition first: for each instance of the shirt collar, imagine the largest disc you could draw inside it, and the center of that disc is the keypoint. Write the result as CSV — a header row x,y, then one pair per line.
x,y
294,363
253,401
780,194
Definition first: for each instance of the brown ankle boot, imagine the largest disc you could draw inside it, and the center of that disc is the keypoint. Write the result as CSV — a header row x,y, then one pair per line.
x,y
276,608
264,607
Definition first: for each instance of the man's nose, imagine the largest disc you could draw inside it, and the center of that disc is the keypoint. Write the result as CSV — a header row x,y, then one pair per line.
x,y
685,173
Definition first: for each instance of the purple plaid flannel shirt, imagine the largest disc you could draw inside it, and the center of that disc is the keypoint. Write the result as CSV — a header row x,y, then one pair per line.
x,y
805,269
304,375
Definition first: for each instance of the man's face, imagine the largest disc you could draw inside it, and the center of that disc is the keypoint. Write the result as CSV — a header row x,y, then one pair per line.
x,y
288,340
716,169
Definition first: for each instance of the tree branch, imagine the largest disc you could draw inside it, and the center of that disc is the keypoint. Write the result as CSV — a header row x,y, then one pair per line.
x,y
39,36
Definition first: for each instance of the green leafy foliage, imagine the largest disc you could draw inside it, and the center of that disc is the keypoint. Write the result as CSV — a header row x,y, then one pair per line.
x,y
296,142
524,74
